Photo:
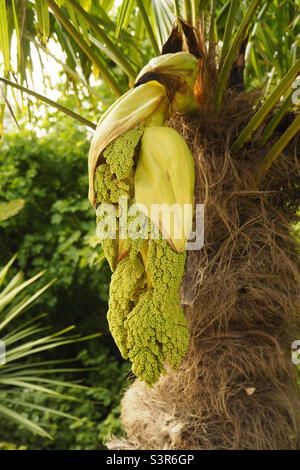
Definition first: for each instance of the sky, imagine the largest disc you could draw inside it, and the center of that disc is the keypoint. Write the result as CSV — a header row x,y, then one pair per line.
x,y
36,82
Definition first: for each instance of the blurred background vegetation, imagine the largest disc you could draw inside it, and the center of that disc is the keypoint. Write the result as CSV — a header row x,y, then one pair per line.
x,y
45,165
55,231
43,161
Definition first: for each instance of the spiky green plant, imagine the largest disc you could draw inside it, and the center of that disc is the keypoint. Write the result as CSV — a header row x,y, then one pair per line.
x,y
19,345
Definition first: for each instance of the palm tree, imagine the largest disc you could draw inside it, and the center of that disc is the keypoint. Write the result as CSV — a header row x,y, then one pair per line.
x,y
236,388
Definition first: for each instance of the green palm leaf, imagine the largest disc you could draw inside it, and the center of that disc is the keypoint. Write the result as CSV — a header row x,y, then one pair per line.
x,y
24,341
267,106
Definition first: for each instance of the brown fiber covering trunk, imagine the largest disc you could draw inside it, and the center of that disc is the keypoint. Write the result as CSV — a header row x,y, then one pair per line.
x,y
237,388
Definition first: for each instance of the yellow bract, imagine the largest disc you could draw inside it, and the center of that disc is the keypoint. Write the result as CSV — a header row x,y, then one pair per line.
x,y
165,176
131,109
180,70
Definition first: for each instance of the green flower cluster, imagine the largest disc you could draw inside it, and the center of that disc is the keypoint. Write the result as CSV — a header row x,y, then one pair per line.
x,y
148,323
145,316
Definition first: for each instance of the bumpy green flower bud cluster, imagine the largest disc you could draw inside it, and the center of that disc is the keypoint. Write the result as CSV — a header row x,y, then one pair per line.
x,y
145,316
108,188
156,329
119,154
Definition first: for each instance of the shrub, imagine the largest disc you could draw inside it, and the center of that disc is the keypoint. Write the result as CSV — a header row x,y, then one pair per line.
x,y
55,230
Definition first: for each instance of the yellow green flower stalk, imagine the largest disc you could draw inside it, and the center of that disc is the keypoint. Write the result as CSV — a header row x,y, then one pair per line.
x,y
135,155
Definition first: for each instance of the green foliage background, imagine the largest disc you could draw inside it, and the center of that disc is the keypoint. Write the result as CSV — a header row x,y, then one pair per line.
x,y
56,231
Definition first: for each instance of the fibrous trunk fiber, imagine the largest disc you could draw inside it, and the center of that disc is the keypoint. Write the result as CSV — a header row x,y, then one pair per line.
x,y
236,388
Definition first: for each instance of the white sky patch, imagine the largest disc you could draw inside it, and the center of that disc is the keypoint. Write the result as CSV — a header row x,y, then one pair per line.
x,y
35,81
50,66
47,84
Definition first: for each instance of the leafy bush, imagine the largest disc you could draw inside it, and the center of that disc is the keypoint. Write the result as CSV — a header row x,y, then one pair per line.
x,y
56,228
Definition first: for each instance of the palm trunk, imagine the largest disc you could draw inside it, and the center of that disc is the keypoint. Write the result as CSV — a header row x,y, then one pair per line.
x,y
237,387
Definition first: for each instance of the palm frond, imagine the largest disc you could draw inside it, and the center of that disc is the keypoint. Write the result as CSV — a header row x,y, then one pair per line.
x,y
55,104
10,414
277,117
88,50
267,106
4,37
71,72
115,52
228,30
124,13
230,57
23,341
278,147
43,18
148,26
